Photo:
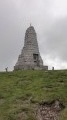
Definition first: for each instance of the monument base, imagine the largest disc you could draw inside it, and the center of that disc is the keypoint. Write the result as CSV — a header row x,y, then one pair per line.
x,y
30,67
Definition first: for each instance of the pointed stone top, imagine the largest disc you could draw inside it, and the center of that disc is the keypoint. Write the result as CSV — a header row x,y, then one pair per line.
x,y
30,28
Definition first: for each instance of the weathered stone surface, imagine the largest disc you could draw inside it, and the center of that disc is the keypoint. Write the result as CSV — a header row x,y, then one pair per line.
x,y
30,57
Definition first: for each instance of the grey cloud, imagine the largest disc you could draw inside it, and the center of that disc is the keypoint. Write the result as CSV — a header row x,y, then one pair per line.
x,y
56,39
15,17
9,33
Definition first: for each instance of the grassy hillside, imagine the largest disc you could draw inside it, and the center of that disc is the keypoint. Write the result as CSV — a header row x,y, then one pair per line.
x,y
22,91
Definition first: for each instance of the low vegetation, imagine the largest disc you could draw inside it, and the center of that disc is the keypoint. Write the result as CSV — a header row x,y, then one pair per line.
x,y
22,91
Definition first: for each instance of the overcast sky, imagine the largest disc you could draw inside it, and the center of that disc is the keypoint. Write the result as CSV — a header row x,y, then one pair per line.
x,y
49,18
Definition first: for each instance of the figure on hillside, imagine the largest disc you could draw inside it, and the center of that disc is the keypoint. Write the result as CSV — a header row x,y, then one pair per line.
x,y
6,69
52,68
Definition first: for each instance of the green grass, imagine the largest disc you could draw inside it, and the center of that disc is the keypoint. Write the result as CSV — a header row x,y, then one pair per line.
x,y
22,91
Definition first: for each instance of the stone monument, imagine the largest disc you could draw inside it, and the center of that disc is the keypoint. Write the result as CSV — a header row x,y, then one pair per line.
x,y
30,56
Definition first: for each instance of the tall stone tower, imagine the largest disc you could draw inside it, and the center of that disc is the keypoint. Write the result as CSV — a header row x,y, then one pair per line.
x,y
30,57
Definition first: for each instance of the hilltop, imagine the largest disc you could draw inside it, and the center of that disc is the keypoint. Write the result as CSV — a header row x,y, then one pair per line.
x,y
21,92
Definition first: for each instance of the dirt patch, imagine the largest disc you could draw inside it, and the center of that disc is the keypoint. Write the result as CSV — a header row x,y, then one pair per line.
x,y
22,116
49,110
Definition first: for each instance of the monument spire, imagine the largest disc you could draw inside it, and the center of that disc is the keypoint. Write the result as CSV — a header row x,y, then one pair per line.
x,y
30,56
